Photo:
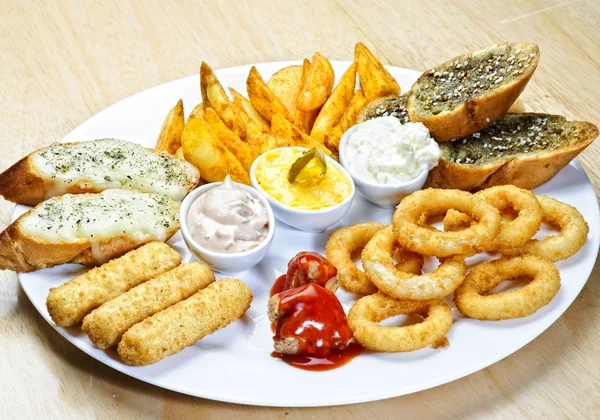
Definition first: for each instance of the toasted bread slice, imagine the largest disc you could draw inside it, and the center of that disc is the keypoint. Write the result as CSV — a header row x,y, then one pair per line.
x,y
88,229
525,150
396,106
94,166
471,91
392,105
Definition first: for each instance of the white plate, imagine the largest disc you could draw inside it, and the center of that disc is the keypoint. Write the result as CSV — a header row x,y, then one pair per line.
x,y
235,365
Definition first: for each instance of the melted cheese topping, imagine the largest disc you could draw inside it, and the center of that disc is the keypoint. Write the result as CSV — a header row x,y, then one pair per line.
x,y
110,163
75,217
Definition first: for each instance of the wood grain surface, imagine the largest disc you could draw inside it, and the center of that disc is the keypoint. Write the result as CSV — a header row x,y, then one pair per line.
x,y
64,61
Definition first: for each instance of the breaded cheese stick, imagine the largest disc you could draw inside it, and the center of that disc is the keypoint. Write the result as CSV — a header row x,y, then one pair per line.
x,y
181,325
105,325
70,303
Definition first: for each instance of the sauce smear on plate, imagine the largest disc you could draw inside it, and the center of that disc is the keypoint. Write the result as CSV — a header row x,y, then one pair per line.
x,y
333,360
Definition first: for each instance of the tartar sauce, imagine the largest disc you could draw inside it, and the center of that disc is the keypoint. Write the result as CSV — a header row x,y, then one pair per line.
x,y
384,151
228,219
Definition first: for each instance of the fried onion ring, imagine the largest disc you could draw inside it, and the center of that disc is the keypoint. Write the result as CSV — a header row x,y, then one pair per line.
x,y
519,303
514,233
338,250
345,241
379,266
573,233
455,221
428,241
365,314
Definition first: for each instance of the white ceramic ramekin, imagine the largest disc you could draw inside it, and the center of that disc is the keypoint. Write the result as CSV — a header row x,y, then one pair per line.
x,y
306,220
382,195
221,261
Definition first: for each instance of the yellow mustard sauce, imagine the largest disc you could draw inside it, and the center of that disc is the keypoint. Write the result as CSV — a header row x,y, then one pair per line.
x,y
271,174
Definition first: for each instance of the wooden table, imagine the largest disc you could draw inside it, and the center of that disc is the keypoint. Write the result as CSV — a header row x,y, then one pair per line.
x,y
64,61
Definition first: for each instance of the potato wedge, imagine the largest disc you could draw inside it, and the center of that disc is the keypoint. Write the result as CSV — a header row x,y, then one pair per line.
x,y
202,148
262,140
169,138
336,104
245,153
198,111
218,100
262,98
284,129
304,120
286,84
375,80
318,85
179,152
333,136
518,107
243,103
206,73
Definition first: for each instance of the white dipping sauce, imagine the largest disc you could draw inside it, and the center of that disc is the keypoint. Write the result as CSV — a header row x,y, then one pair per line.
x,y
384,151
228,219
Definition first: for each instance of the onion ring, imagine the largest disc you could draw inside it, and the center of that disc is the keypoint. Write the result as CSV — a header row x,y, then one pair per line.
x,y
514,233
365,314
407,261
427,241
455,221
338,250
515,304
345,241
379,266
573,233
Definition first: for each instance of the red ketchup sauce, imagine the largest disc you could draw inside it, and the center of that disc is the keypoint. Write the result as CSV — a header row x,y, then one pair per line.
x,y
278,285
333,360
308,267
314,316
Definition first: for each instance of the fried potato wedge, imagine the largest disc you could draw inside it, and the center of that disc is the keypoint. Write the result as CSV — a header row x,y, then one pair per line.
x,y
262,98
262,140
336,104
284,129
286,84
217,98
205,72
518,107
304,120
179,152
202,148
198,111
317,86
169,139
375,80
334,135
245,153
244,104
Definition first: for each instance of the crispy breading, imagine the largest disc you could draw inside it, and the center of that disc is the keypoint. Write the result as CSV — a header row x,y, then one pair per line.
x,y
183,324
105,325
69,303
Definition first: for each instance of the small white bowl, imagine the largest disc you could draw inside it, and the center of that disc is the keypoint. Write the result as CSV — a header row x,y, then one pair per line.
x,y
221,261
312,221
382,195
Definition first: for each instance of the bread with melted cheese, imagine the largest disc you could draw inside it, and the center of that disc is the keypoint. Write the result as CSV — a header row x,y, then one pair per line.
x,y
92,167
87,229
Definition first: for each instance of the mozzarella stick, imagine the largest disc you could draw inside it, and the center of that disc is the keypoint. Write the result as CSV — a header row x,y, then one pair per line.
x,y
181,325
105,325
70,303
